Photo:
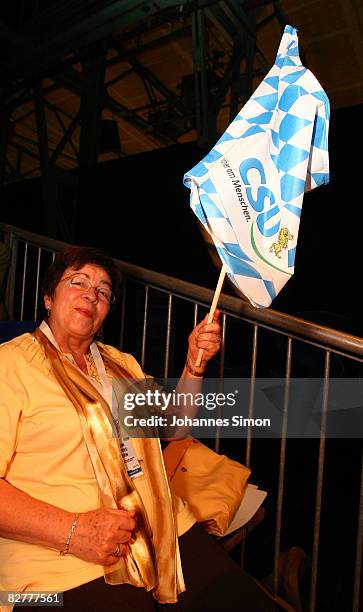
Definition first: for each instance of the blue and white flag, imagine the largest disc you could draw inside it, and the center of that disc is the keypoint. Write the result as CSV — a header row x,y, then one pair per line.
x,y
248,191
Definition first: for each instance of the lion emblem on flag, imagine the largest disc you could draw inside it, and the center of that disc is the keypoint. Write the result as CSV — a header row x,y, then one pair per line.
x,y
282,240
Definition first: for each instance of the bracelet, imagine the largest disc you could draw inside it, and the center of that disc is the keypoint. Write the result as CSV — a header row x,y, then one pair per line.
x,y
68,540
193,372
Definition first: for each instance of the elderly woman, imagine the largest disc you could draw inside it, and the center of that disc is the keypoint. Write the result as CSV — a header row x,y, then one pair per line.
x,y
74,518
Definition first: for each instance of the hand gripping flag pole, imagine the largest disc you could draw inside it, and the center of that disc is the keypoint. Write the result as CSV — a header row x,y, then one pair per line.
x,y
248,191
213,307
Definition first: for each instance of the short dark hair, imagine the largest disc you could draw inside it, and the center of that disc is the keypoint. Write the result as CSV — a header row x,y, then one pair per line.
x,y
76,257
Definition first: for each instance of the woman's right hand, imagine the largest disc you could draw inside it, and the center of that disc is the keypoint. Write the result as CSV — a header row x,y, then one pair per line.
x,y
98,532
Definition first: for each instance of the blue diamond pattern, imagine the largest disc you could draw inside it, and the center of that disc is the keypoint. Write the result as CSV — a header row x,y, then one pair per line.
x,y
290,157
238,266
273,81
199,170
255,129
289,97
320,178
291,257
291,187
262,118
270,288
276,134
236,250
293,76
208,186
282,61
295,210
290,125
275,138
320,137
268,102
294,52
225,137
321,95
212,156
200,214
275,159
209,207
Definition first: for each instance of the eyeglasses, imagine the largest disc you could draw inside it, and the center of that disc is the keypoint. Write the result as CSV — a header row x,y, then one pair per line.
x,y
104,294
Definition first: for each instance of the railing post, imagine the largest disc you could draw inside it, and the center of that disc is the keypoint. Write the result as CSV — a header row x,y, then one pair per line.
x,y
13,243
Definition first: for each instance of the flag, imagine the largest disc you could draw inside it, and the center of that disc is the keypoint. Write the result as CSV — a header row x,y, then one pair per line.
x,y
248,191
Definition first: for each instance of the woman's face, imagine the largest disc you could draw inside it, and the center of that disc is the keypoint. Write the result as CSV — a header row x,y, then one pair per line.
x,y
78,312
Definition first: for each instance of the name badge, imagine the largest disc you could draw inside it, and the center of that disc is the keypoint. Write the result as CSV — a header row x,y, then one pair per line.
x,y
128,454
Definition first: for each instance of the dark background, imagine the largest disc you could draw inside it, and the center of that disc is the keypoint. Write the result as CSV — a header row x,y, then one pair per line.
x,y
138,208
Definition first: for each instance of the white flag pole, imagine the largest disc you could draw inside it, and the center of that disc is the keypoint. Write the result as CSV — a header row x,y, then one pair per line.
x,y
213,307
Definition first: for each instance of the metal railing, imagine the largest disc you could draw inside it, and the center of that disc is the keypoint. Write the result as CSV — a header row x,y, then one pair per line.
x,y
156,311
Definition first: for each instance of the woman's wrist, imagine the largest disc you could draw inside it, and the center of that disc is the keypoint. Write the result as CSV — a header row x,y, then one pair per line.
x,y
192,369
65,548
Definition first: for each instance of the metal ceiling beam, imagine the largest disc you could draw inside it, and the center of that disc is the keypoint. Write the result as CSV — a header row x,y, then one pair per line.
x,y
240,29
65,138
231,72
78,31
266,20
119,78
168,115
205,121
150,77
56,13
92,101
235,78
23,149
48,183
67,28
222,20
29,141
137,121
56,226
25,96
250,5
72,81
12,170
351,15
244,47
140,29
65,24
18,161
58,116
4,135
247,24
57,110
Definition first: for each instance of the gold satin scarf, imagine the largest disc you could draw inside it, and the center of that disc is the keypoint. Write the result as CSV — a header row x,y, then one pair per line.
x,y
153,560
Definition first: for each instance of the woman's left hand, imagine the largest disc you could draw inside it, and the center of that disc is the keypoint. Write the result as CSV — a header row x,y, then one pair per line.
x,y
206,336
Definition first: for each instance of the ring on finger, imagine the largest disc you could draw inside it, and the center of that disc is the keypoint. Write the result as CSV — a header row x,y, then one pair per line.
x,y
218,339
117,551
